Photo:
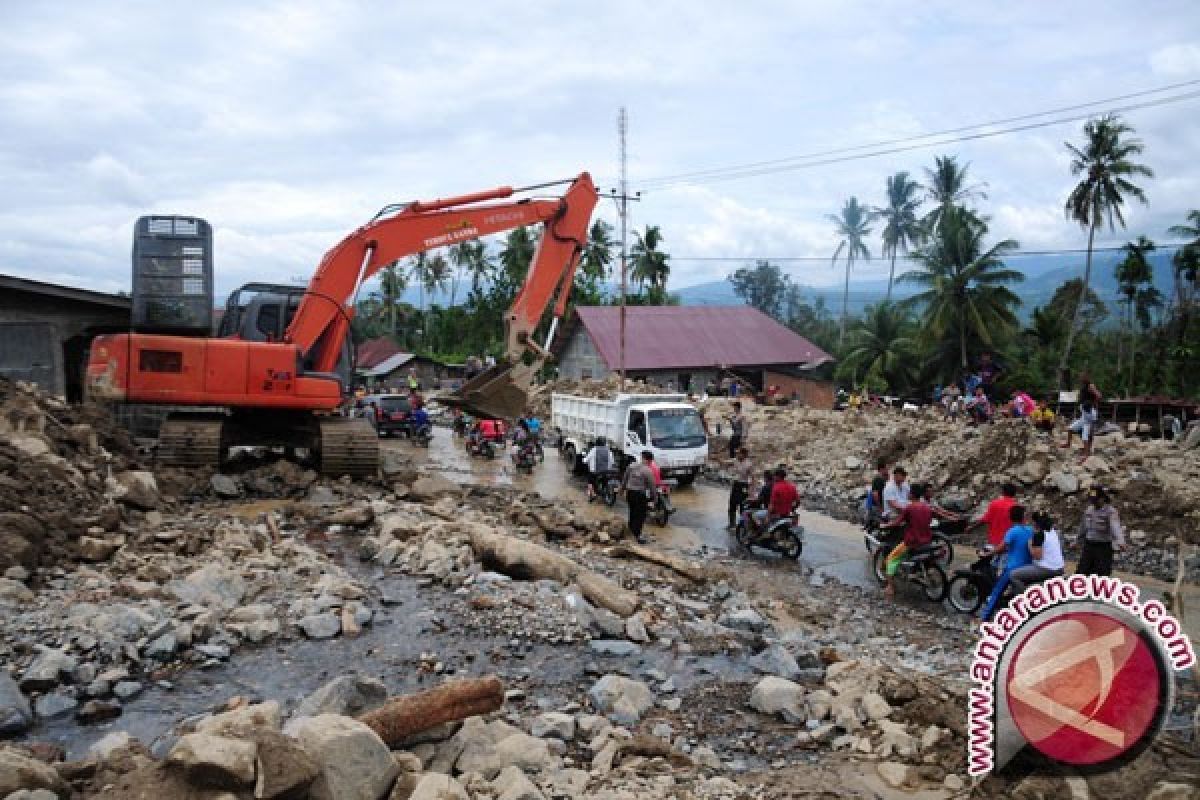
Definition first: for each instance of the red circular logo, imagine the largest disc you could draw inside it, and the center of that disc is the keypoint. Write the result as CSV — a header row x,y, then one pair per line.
x,y
1085,688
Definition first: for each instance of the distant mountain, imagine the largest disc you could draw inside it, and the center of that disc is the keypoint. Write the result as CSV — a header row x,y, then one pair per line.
x,y
1043,275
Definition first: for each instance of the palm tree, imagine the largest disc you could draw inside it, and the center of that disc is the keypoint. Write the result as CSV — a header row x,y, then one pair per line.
x,y
515,258
1132,273
465,256
946,186
650,267
1104,161
966,292
880,344
595,263
392,283
852,226
901,228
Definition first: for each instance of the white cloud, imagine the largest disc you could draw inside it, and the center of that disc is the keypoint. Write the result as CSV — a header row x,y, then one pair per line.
x,y
1177,60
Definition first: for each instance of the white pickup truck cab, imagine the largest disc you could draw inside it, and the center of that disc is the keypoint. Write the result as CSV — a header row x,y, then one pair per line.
x,y
664,424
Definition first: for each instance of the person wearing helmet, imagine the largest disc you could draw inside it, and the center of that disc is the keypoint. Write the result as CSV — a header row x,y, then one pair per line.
x,y
1100,534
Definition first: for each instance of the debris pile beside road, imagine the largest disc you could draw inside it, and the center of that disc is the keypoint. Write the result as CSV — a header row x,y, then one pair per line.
x,y
832,456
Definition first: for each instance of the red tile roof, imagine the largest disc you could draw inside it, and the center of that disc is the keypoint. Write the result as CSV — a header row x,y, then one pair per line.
x,y
696,337
375,351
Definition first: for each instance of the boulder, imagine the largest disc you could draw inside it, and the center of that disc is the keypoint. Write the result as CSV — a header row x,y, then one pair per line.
x,y
353,762
875,706
513,784
320,626
216,761
622,699
214,585
614,647
517,749
18,771
433,786
428,488
108,744
283,769
138,489
776,660
47,670
242,721
14,594
349,695
55,704
554,724
21,539
225,486
774,695
635,629
744,619
894,774
1064,482
15,714
94,548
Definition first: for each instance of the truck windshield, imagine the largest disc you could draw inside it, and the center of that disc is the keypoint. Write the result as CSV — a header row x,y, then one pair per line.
x,y
676,428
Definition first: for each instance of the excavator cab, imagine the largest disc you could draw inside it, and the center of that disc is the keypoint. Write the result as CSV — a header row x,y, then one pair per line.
x,y
262,312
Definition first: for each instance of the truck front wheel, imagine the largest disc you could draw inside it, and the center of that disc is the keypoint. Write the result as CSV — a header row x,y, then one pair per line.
x,y
688,479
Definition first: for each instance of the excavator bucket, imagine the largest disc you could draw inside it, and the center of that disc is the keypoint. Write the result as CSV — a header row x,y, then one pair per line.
x,y
498,392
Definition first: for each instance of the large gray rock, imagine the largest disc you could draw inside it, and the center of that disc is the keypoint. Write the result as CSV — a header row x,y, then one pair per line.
x,y
555,724
243,721
513,784
744,619
47,670
354,762
216,761
18,771
774,695
776,660
622,699
15,714
14,594
349,695
225,486
283,769
433,786
517,749
320,626
55,704
614,647
430,487
213,585
138,489
1064,482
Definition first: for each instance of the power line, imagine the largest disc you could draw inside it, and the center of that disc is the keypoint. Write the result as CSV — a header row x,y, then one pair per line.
x,y
906,144
910,257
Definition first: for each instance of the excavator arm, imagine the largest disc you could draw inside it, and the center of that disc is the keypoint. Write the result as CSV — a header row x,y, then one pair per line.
x,y
322,321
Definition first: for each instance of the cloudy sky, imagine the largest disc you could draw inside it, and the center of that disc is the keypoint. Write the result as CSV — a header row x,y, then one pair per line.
x,y
287,125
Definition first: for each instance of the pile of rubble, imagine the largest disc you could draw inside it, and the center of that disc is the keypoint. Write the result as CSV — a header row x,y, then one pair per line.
x,y
832,456
606,389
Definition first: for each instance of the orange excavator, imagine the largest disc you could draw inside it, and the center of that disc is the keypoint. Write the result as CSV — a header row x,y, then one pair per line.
x,y
279,367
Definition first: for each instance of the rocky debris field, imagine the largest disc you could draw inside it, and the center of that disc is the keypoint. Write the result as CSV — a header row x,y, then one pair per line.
x,y
832,454
620,671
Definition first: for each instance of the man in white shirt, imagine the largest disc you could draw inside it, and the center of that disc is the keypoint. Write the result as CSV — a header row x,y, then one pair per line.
x,y
1046,549
895,494
599,461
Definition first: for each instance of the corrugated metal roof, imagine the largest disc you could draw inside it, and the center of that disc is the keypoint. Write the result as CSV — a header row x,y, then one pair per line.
x,y
389,364
373,351
696,337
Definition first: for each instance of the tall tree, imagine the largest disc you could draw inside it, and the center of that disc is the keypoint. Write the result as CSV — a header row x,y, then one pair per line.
x,y
965,285
515,258
880,345
392,283
763,287
650,264
946,187
1105,162
594,265
901,228
853,226
466,258
1132,274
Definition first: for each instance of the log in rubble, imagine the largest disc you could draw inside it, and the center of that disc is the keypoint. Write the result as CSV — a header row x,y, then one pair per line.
x,y
525,560
407,715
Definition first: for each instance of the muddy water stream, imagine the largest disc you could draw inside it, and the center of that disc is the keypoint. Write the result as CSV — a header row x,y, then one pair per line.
x,y
415,619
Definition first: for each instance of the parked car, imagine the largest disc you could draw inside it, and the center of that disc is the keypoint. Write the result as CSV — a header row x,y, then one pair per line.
x,y
393,413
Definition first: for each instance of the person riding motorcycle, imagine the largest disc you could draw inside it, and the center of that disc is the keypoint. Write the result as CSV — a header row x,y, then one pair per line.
x,y
600,464
418,420
915,519
780,498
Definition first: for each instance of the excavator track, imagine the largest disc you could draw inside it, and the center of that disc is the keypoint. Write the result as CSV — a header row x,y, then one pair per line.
x,y
348,447
191,440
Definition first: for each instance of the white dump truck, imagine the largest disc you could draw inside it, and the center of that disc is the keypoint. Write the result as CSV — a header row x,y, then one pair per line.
x,y
664,424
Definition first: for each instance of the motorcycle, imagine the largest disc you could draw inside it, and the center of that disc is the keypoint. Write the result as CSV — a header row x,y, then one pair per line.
x,y
525,458
785,535
942,531
479,446
662,508
970,587
610,487
422,434
921,567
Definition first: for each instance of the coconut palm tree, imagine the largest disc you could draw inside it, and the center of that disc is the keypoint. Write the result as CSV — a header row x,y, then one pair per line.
x,y
853,226
1105,163
965,285
881,345
650,268
945,186
594,264
901,228
466,257
392,283
515,258
1132,273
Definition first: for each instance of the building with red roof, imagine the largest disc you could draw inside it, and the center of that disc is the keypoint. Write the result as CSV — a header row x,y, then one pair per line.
x,y
696,346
